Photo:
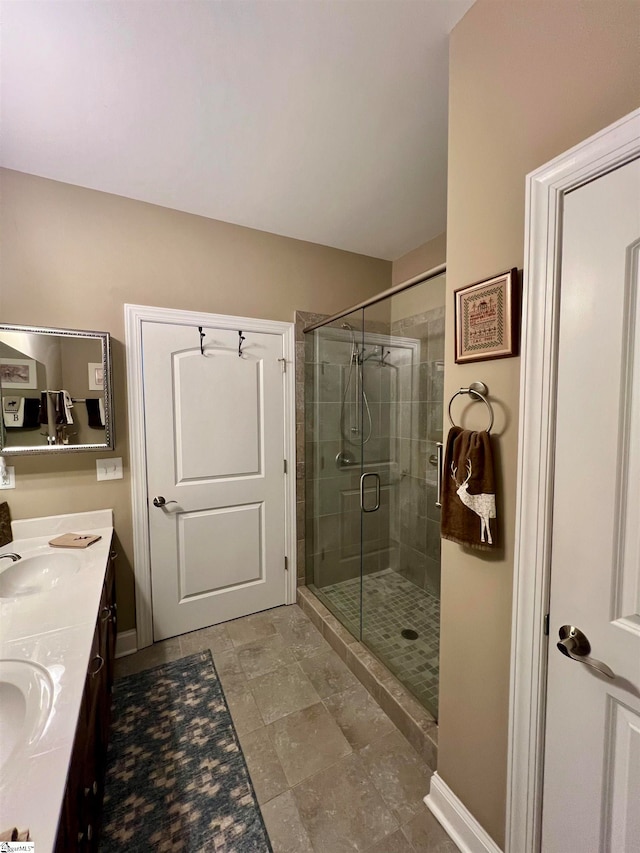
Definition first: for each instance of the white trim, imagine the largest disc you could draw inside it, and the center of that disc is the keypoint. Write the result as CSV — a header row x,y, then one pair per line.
x,y
457,820
126,643
291,539
545,190
134,316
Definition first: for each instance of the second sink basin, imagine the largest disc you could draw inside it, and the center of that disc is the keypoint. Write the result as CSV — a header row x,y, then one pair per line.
x,y
26,697
38,573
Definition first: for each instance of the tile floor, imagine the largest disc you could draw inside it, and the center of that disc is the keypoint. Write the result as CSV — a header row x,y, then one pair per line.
x,y
390,603
331,772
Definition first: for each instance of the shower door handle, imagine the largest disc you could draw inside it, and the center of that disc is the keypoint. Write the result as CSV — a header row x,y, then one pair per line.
x,y
362,479
439,475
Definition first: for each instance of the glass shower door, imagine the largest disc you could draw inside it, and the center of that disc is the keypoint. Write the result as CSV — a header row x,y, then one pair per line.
x,y
335,428
373,397
402,389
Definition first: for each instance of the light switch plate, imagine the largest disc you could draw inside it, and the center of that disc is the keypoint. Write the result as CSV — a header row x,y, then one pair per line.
x,y
109,469
10,480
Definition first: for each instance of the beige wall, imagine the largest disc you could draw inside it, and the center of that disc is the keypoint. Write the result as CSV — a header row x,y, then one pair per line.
x,y
528,80
418,299
425,257
72,257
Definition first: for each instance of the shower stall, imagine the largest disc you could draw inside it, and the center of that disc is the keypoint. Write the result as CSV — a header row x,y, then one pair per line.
x,y
373,422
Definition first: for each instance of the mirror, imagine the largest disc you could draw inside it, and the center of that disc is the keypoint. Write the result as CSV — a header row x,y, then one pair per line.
x,y
55,388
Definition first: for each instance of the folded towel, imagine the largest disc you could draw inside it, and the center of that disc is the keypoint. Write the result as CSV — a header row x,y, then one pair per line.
x,y
15,834
74,540
468,490
95,413
13,411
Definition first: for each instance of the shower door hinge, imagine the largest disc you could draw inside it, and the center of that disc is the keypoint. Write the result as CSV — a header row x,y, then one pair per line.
x,y
285,466
546,625
286,564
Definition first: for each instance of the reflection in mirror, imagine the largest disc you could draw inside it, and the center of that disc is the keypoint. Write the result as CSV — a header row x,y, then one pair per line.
x,y
55,387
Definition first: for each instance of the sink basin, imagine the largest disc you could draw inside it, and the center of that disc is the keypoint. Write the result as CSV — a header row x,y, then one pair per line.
x,y
38,573
26,697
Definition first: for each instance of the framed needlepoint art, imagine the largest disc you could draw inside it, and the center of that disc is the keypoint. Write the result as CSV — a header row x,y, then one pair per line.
x,y
487,318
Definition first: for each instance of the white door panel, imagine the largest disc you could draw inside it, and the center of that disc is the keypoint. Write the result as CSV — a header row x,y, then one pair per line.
x,y
211,441
215,449
237,532
592,741
623,778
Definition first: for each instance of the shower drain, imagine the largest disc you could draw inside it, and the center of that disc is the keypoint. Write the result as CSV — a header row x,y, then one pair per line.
x,y
409,634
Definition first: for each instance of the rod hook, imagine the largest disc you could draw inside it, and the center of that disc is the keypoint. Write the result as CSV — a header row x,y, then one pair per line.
x,y
241,339
201,340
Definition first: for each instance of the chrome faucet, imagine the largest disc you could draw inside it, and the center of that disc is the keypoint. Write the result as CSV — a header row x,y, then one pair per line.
x,y
14,557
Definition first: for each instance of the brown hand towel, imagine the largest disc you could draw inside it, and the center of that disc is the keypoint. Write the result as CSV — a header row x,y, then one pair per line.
x,y
44,408
468,490
61,412
6,535
31,413
93,413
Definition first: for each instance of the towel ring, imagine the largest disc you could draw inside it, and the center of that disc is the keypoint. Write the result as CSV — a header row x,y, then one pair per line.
x,y
479,391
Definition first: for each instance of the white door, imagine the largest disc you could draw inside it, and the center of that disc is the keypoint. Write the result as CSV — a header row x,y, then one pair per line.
x,y
214,426
591,799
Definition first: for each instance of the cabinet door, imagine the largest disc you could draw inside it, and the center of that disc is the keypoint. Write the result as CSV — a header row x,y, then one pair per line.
x,y
75,816
109,596
80,818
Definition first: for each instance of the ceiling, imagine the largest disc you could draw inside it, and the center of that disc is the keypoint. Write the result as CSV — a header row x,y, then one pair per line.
x,y
324,120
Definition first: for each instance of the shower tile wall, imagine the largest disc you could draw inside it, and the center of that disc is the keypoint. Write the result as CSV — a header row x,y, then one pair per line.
x,y
415,520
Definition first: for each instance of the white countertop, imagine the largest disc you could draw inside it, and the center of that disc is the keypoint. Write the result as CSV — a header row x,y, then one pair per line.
x,y
54,629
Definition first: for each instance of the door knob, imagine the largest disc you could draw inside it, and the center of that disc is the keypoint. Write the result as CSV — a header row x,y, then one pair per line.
x,y
160,501
574,644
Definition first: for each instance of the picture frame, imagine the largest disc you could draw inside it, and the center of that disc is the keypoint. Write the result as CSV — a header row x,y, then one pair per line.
x,y
96,376
18,373
486,318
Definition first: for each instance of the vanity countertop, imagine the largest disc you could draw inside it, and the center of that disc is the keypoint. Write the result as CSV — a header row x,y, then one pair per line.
x,y
54,629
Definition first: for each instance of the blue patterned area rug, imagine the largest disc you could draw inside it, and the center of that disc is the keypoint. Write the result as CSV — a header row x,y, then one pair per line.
x,y
176,776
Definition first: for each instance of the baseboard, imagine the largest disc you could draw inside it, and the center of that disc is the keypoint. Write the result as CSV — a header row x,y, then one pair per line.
x,y
457,820
126,643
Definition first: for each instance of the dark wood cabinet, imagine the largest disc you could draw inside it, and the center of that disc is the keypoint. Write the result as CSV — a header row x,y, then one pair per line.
x,y
80,817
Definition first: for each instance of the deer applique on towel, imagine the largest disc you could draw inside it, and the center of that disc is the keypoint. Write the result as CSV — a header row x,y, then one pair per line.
x,y
469,507
483,505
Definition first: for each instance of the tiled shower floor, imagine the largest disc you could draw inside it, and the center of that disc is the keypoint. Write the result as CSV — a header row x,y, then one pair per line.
x,y
391,603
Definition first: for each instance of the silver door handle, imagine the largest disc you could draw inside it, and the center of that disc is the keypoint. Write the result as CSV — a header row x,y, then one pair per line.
x,y
362,479
160,501
574,644
439,475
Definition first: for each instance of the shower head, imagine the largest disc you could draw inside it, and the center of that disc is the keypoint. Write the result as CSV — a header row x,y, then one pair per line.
x,y
347,326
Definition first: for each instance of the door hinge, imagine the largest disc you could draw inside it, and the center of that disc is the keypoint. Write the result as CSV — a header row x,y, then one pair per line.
x,y
546,625
285,466
283,362
286,564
